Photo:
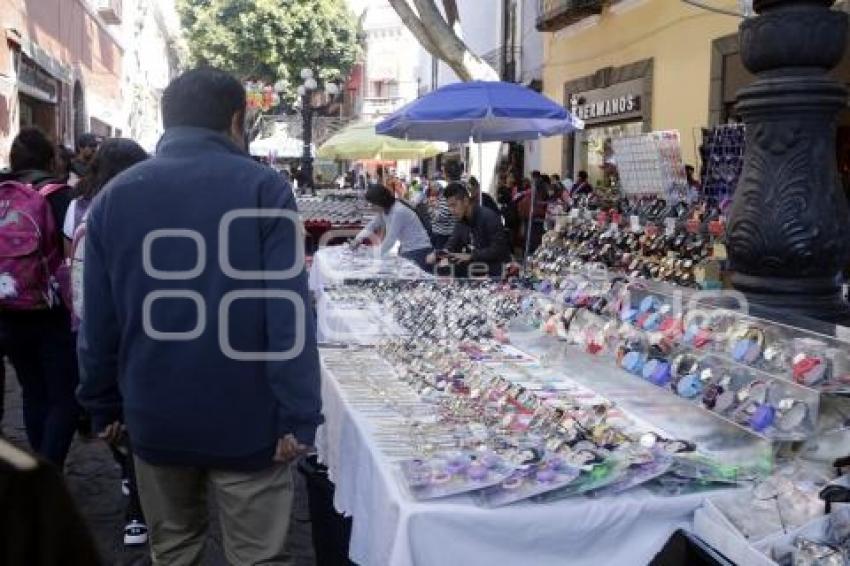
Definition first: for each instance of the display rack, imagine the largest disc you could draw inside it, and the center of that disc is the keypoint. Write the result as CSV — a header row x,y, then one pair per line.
x,y
650,164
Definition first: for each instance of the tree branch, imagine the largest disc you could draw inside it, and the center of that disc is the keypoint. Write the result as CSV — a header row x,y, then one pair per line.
x,y
457,55
416,27
453,16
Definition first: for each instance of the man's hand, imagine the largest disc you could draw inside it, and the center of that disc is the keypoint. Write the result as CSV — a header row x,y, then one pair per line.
x,y
460,258
112,433
431,258
288,448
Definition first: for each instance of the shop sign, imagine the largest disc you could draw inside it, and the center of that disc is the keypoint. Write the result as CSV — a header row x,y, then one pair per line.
x,y
617,102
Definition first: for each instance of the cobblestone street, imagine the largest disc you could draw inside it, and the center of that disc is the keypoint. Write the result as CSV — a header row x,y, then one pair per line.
x,y
94,480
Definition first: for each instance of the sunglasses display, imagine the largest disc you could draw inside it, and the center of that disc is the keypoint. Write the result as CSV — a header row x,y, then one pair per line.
x,y
642,237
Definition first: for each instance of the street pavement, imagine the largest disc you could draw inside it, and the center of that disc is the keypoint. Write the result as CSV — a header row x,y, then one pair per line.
x,y
94,480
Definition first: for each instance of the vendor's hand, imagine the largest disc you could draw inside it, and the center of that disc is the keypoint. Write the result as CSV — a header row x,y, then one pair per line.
x,y
288,448
112,433
431,258
460,258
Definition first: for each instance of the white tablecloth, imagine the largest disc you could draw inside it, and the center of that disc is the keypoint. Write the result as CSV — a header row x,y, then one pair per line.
x,y
353,324
336,264
391,528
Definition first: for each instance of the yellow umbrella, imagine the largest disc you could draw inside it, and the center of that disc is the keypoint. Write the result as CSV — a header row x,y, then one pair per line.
x,y
359,141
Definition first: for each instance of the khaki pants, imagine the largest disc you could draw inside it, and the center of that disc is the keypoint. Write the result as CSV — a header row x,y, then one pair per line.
x,y
253,509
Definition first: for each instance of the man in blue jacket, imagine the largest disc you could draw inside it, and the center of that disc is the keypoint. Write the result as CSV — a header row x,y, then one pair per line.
x,y
196,332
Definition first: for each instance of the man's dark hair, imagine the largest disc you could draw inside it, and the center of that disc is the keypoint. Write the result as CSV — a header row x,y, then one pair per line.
x,y
689,169
203,98
556,177
582,175
456,190
113,157
379,195
453,171
87,140
535,174
31,150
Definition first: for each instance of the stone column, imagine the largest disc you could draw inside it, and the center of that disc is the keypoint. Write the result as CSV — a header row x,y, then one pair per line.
x,y
789,224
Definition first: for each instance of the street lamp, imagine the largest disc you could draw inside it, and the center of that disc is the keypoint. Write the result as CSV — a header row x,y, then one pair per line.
x,y
305,91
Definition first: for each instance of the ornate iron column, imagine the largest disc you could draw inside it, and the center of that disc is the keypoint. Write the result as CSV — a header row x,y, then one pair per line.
x,y
789,228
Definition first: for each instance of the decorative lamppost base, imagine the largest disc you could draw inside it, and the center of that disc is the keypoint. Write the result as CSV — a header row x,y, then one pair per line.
x,y
789,228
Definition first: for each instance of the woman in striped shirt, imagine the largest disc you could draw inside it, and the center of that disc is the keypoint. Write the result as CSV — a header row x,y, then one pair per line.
x,y
442,219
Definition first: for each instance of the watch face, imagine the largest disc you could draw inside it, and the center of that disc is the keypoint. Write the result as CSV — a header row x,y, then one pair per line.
x,y
792,418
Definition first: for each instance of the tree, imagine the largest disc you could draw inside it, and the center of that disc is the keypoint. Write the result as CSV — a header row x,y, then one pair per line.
x,y
441,34
272,40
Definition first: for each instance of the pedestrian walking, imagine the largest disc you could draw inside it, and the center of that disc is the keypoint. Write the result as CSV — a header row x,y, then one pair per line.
x,y
195,302
113,157
35,329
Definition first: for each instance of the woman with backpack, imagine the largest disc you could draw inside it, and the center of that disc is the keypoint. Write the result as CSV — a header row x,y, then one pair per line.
x,y
401,225
34,325
112,157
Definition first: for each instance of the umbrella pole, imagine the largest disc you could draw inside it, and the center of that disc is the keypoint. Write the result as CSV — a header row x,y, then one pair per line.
x,y
480,176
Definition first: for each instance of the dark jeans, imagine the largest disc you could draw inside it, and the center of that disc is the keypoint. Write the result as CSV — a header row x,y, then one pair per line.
x,y
418,257
42,350
123,455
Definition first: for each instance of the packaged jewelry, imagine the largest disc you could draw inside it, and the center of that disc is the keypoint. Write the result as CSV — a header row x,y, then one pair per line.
x,y
453,473
529,480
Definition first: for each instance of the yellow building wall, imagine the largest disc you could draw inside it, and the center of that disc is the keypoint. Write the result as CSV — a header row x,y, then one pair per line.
x,y
676,35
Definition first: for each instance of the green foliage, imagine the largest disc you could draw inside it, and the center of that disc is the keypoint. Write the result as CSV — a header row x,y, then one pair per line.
x,y
271,40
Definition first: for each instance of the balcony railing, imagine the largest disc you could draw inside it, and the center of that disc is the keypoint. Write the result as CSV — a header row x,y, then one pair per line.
x,y
558,14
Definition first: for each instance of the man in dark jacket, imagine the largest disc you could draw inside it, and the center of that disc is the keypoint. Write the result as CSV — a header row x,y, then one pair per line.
x,y
195,302
479,246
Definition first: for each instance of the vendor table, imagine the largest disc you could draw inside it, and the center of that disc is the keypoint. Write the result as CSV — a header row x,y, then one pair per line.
x,y
353,324
336,264
391,528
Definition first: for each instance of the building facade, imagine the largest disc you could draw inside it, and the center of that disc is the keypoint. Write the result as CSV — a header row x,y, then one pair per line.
x,y
388,72
636,66
60,68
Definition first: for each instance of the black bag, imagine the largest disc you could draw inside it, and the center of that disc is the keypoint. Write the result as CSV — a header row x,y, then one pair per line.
x,y
331,530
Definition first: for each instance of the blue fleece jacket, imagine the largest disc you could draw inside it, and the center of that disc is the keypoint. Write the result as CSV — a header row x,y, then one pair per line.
x,y
168,338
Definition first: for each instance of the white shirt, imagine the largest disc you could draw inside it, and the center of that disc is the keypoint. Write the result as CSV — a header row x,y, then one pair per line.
x,y
68,226
402,226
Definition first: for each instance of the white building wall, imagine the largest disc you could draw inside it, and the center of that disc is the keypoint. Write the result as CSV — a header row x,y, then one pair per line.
x,y
530,69
151,32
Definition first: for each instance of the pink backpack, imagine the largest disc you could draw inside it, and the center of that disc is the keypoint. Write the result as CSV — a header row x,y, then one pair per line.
x,y
30,251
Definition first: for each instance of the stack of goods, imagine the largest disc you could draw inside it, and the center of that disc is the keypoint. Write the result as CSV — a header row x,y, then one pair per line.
x,y
650,164
332,212
475,415
645,238
761,375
